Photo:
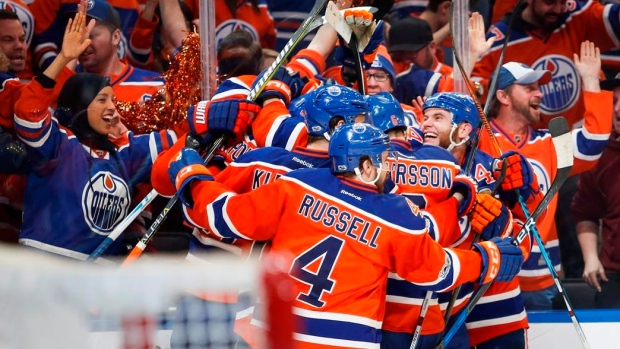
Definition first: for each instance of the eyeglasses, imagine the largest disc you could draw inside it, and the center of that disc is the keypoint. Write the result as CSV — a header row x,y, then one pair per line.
x,y
378,77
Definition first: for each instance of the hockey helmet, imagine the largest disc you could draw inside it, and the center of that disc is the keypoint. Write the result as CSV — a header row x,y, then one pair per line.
x,y
329,101
352,141
386,111
460,105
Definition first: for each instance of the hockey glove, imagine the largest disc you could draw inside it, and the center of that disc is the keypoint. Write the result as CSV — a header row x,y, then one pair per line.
x,y
501,259
490,217
466,186
344,55
188,166
284,85
519,176
230,117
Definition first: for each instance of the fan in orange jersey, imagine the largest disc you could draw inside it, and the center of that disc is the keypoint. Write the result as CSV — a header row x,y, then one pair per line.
x,y
516,106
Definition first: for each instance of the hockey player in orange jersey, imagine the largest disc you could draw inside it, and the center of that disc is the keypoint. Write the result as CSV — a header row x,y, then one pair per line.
x,y
359,234
517,105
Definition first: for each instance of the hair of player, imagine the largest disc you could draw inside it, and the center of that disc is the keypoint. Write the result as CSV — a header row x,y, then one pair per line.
x,y
332,126
6,14
494,103
251,62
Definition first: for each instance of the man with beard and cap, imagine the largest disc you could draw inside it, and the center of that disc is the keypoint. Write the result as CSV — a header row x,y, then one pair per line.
x,y
83,184
515,108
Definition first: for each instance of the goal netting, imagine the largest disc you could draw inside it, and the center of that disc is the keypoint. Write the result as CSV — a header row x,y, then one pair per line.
x,y
47,302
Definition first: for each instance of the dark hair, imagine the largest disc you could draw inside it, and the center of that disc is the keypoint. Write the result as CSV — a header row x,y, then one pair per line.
x,y
6,14
433,5
494,104
332,126
249,63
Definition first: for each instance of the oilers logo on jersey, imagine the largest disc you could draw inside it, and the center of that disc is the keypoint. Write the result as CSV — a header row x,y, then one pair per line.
x,y
541,174
232,25
105,202
25,17
562,92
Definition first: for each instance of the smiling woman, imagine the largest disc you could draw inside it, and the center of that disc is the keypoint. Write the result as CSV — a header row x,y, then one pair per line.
x,y
87,166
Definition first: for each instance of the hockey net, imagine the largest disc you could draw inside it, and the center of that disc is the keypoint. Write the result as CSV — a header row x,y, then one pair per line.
x,y
46,302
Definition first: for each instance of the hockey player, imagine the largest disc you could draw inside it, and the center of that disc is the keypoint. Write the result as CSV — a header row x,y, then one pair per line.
x,y
274,127
83,187
358,233
516,107
413,173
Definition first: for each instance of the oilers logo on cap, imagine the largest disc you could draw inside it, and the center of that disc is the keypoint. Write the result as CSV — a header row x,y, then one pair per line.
x,y
91,4
105,202
561,93
232,25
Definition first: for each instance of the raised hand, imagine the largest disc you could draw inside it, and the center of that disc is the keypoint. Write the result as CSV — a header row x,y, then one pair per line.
x,y
76,40
588,65
478,43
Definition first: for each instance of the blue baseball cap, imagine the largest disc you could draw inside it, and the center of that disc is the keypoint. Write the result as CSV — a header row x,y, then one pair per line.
x,y
383,61
519,73
102,11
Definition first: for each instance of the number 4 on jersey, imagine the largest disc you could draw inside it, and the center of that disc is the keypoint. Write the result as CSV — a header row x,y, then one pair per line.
x,y
314,268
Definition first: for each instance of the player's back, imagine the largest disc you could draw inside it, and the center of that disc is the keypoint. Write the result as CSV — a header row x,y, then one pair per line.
x,y
342,253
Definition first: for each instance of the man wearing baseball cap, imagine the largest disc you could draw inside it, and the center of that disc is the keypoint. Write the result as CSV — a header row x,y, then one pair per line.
x,y
130,84
410,41
515,107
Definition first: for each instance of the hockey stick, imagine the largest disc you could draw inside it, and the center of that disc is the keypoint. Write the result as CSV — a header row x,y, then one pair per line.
x,y
310,23
560,132
500,62
543,251
103,246
469,162
334,17
455,293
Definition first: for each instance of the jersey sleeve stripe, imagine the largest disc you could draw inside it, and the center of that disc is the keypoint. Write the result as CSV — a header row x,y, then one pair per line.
x,y
431,87
274,128
611,19
346,332
292,140
219,220
587,149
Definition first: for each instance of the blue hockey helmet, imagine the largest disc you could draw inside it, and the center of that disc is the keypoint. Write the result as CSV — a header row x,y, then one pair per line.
x,y
386,111
297,106
329,101
460,105
352,141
